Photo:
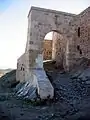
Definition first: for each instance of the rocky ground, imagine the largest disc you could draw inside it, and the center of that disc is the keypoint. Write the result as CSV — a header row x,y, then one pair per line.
x,y
71,101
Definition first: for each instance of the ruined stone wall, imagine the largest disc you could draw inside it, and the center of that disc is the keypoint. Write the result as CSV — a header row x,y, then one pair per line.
x,y
58,52
80,42
47,50
30,65
20,73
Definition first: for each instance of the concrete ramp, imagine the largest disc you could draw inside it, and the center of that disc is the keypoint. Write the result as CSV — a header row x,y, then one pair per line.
x,y
45,89
38,81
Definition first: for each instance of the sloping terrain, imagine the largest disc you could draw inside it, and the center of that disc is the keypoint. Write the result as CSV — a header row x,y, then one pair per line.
x,y
71,101
4,71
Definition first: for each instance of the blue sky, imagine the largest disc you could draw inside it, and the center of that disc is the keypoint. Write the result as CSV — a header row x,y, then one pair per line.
x,y
13,24
4,4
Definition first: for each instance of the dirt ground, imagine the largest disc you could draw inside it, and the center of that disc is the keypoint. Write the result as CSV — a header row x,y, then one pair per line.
x,y
71,101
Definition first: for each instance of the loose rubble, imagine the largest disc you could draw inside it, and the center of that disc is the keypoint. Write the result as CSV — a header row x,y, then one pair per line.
x,y
71,100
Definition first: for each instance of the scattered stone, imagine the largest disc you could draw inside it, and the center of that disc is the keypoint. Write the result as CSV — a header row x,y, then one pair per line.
x,y
28,91
75,75
88,82
67,105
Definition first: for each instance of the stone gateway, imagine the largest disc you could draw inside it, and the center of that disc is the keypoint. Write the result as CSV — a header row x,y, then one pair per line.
x,y
70,45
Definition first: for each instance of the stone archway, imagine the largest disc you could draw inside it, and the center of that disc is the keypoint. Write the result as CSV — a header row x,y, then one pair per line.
x,y
40,22
54,50
38,27
47,46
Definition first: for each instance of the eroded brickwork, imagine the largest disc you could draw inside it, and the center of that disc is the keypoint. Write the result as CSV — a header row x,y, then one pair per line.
x,y
80,42
47,50
20,73
59,48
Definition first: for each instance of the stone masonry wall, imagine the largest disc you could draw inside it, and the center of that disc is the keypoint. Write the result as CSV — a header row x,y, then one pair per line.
x,y
59,45
47,50
80,42
20,73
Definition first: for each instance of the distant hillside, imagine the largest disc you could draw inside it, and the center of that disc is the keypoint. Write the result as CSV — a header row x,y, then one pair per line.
x,y
9,79
4,71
